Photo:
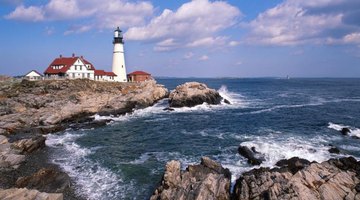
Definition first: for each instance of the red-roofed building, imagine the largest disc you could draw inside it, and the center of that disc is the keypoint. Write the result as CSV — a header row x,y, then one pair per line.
x,y
76,67
138,76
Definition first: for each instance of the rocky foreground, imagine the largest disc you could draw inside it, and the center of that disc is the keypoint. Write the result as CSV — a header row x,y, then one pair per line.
x,y
30,109
292,179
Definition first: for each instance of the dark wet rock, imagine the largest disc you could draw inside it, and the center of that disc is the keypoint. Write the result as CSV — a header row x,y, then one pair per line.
x,y
334,150
193,93
168,109
250,155
208,180
45,180
293,164
30,145
345,131
332,179
227,101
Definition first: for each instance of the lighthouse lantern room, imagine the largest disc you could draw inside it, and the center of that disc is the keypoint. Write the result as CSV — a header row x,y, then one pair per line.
x,y
118,65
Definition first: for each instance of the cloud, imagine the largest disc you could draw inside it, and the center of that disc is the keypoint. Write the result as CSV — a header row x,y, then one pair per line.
x,y
234,43
77,29
98,14
204,58
194,24
295,22
188,55
49,30
239,63
31,13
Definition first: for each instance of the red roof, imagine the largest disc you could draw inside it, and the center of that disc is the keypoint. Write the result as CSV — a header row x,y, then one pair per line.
x,y
104,73
66,62
139,73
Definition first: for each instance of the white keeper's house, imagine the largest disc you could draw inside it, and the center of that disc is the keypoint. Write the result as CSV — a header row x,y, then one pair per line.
x,y
76,67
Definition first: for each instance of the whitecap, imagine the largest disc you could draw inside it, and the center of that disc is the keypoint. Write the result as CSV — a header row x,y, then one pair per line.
x,y
338,127
91,179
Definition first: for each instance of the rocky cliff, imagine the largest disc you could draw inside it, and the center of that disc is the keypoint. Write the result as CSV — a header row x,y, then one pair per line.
x,y
46,106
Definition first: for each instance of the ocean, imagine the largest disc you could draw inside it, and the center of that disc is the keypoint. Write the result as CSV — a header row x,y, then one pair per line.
x,y
281,118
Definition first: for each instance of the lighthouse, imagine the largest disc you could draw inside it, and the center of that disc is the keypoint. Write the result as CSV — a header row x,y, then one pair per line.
x,y
118,65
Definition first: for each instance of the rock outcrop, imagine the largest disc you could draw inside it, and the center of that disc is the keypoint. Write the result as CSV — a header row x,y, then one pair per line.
x,y
193,93
45,180
9,157
48,106
252,156
331,180
206,181
25,194
30,145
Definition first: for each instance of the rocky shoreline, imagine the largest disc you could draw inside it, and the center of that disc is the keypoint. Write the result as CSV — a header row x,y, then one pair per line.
x,y
293,179
28,110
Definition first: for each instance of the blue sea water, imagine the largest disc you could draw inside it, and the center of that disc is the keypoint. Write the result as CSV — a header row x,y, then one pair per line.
x,y
281,118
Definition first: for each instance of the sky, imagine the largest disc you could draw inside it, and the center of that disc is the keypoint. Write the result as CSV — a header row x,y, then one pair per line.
x,y
198,38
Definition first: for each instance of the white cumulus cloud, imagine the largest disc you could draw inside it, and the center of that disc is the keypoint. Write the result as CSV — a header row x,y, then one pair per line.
x,y
195,23
295,22
96,14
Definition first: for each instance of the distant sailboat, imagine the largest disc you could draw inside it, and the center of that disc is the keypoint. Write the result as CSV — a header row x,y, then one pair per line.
x,y
288,77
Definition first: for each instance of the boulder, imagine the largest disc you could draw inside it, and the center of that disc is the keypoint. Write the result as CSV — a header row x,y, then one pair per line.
x,y
193,93
250,155
3,139
227,101
8,156
333,179
25,194
345,131
208,180
293,164
334,150
30,145
45,180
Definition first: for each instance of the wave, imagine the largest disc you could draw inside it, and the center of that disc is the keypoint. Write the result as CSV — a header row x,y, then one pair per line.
x,y
91,179
353,131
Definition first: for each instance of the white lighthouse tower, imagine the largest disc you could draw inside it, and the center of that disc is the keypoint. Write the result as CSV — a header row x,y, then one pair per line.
x,y
118,65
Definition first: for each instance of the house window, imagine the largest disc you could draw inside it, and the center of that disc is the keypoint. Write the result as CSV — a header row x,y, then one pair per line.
x,y
75,67
88,75
83,74
73,75
80,67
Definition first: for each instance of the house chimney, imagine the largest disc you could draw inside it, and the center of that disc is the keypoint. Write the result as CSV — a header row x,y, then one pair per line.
x,y
60,56
81,57
73,55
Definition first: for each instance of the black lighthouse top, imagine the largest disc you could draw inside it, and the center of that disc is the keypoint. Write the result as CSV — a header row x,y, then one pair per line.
x,y
118,38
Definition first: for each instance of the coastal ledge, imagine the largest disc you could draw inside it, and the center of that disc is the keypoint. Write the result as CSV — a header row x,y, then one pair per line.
x,y
51,105
294,178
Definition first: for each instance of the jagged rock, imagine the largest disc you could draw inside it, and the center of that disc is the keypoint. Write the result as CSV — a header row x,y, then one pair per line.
x,y
250,155
293,164
193,93
334,150
3,139
45,180
8,156
331,180
25,194
345,131
207,181
227,101
30,145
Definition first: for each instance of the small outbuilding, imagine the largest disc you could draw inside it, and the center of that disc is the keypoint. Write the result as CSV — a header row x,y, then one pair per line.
x,y
139,76
33,75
